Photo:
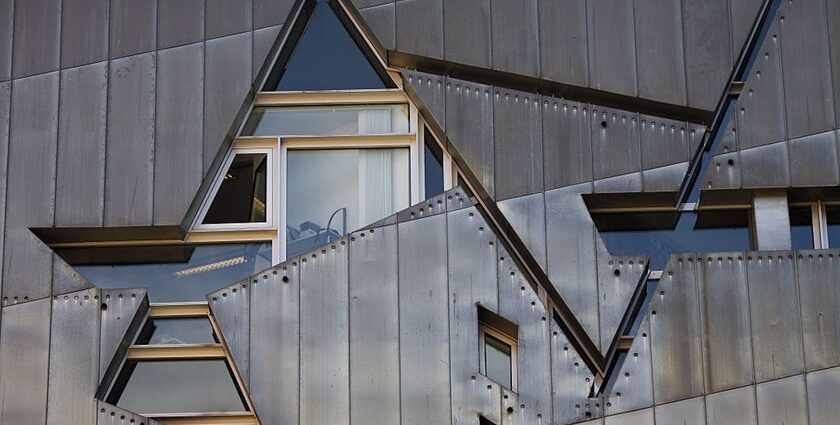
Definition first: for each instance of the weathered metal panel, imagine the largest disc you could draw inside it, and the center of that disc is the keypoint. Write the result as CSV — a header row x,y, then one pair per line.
x,y
668,178
374,327
107,414
818,272
5,109
24,362
615,142
770,221
723,172
74,357
676,342
734,407
225,17
129,170
526,215
725,321
765,166
66,279
133,26
659,50
782,402
7,18
641,417
430,89
30,187
84,32
631,182
324,345
123,308
833,12
813,160
466,32
469,114
633,383
807,63
563,50
37,33
663,141
232,309
686,412
424,332
515,36
618,280
178,131
571,382
227,79
80,181
275,344
382,21
420,27
432,206
263,40
271,12
743,13
567,142
822,396
612,46
179,22
518,144
708,58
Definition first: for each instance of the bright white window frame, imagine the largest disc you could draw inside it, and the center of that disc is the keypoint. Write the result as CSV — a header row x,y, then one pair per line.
x,y
484,330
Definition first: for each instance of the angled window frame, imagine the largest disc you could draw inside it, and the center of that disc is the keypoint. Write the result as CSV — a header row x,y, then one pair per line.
x,y
484,330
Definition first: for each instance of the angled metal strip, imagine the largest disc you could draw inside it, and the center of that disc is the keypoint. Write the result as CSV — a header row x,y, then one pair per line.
x,y
122,312
107,414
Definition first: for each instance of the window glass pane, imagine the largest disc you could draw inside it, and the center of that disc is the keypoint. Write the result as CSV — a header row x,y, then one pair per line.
x,y
185,386
332,192
832,215
801,229
242,195
190,272
177,331
327,121
497,360
433,162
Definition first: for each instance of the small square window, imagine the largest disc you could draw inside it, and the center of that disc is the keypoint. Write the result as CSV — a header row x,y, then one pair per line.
x,y
497,349
802,227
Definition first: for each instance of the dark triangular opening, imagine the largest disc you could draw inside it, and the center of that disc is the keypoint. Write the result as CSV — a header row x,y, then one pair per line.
x,y
325,56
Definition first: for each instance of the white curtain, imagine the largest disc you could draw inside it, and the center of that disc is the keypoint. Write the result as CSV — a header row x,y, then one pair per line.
x,y
383,183
375,121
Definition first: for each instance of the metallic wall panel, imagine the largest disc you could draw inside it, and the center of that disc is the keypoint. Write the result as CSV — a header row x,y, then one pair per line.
x,y
676,342
130,147
822,389
5,110
7,20
37,25
30,187
430,89
633,383
618,279
178,131
615,142
65,279
324,345
420,27
133,26
563,38
515,36
686,412
123,306
231,307
275,344
74,357
571,382
24,362
782,402
723,172
708,61
263,40
833,12
374,327
807,63
770,222
82,116
227,79
663,141
179,22
424,334
725,321
466,32
631,182
612,47
668,178
518,144
382,21
225,17
567,142
469,114
641,417
733,407
84,32
659,50
743,14
813,160
433,206
526,215
765,166
820,297
107,414
271,12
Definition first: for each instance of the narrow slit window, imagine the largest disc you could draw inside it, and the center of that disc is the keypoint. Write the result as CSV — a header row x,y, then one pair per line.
x,y
802,227
497,348
433,166
497,360
242,194
327,120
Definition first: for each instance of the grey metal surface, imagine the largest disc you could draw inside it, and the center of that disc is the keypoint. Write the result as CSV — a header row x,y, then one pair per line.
x,y
74,357
639,417
431,90
668,178
563,38
374,326
770,220
708,58
80,179
515,36
733,407
124,308
420,27
742,14
65,278
725,321
660,58
612,46
723,172
633,383
618,279
129,176
382,20
526,215
24,362
686,412
231,307
817,272
263,40
107,414
822,389
765,166
179,22
615,142
813,160
271,12
225,17
275,338
133,25
84,32
5,110
517,138
178,131
7,19
424,334
429,207
469,115
567,141
833,12
631,182
571,382
663,142
782,402
467,21
324,345
36,37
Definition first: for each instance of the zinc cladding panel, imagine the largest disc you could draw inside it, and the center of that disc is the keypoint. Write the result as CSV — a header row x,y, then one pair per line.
x,y
633,384
659,50
743,13
663,141
567,142
420,27
430,90
807,68
686,412
263,40
472,281
112,415
469,114
374,327
641,417
80,180
615,142
178,131
631,182
515,37
517,144
571,381
275,337
765,166
526,215
7,18
324,345
130,147
232,309
65,278
733,407
466,32
676,343
782,402
563,39
30,187
833,11
618,279
36,37
818,273
708,60
24,363
84,32
5,109
382,21
725,321
133,26
179,22
124,308
271,12
225,17
723,172
612,49
822,389
813,160
74,357
668,178
424,333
